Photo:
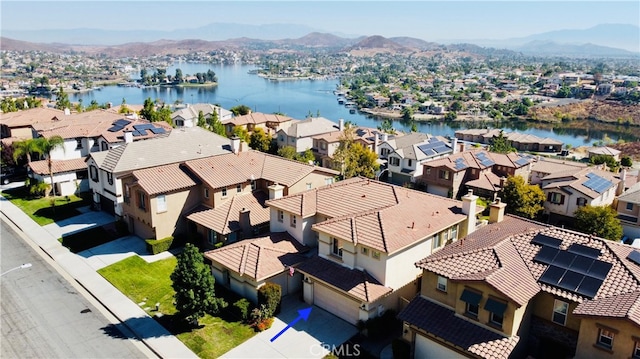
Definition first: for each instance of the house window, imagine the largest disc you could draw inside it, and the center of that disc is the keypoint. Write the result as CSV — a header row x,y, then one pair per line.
x,y
308,185
444,174
238,188
93,172
161,203
127,193
105,146
142,201
328,180
496,308
496,319
394,161
294,221
375,254
110,178
336,249
254,185
454,232
224,191
442,284
212,237
555,198
364,251
472,300
629,206
605,338
409,162
280,216
581,202
78,143
636,350
428,171
560,310
206,192
323,145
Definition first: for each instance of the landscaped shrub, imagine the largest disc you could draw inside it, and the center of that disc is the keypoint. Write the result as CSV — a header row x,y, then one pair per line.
x,y
260,320
264,324
379,326
242,308
401,349
270,295
156,246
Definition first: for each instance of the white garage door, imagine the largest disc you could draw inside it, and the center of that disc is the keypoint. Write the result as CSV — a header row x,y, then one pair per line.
x,y
426,349
335,303
438,190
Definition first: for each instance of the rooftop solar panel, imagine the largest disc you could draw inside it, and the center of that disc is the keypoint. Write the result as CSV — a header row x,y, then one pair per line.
x,y
581,264
544,240
115,128
634,256
564,259
546,255
487,162
597,183
158,130
136,133
122,122
571,280
584,250
143,126
522,161
589,286
552,275
599,269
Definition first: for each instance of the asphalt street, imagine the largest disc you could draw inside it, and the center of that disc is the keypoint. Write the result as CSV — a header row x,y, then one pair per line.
x,y
44,315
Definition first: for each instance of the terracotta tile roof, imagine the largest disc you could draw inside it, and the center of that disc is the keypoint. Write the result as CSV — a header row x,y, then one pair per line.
x,y
192,111
575,179
442,323
59,166
26,118
488,181
163,179
311,127
260,258
547,165
632,194
621,306
257,118
230,169
604,150
417,215
359,284
450,161
224,218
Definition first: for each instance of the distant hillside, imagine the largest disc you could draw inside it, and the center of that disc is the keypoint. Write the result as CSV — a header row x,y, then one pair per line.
x,y
412,42
317,39
550,48
376,44
17,45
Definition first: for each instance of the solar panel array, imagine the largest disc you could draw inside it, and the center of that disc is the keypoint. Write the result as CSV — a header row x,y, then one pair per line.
x,y
484,159
119,125
460,164
434,147
597,183
522,161
577,269
141,130
634,256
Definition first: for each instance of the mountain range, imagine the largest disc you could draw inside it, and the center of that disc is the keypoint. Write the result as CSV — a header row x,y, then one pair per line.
x,y
608,40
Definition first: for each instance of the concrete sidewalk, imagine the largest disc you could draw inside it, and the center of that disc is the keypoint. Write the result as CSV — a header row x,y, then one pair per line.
x,y
156,337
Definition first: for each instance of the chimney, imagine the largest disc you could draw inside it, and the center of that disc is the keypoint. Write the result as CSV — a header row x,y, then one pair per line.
x,y
244,220
375,144
496,211
235,144
385,137
67,112
469,208
128,136
623,179
454,145
275,191
341,124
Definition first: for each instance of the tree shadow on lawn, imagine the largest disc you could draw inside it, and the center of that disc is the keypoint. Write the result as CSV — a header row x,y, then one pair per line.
x,y
143,328
92,237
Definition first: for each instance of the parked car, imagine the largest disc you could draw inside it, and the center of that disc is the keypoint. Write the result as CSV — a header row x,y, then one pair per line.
x,y
9,174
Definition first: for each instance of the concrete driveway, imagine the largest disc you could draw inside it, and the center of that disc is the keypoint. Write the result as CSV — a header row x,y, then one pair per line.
x,y
311,339
88,219
115,251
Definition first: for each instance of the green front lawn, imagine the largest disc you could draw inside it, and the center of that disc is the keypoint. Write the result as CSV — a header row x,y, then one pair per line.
x,y
40,208
151,283
92,237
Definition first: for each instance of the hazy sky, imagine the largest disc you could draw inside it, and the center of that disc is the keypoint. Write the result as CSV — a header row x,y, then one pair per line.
x,y
429,20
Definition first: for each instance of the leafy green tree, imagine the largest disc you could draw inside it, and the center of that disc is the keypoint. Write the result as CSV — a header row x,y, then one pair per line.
x,y
194,286
450,116
240,110
260,141
202,121
601,221
486,96
387,127
48,145
242,133
288,152
407,113
611,162
564,92
62,100
163,114
148,109
178,77
216,126
456,106
352,158
626,161
523,199
500,144
26,148
305,157
270,295
123,107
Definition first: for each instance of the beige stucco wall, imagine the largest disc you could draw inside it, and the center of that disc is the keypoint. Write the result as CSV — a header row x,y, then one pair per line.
x,y
399,265
623,341
543,308
316,179
171,221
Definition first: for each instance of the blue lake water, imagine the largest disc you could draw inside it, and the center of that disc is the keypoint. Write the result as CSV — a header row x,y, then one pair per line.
x,y
296,99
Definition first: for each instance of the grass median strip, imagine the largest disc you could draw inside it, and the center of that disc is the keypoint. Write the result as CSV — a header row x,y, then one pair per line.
x,y
41,209
149,283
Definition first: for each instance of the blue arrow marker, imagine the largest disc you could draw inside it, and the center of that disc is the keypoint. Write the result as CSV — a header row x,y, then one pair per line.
x,y
302,314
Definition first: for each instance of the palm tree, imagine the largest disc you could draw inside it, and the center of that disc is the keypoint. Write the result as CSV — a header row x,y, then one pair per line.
x,y
25,148
48,145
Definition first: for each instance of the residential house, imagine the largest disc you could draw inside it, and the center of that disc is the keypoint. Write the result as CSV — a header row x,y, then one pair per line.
x,y
325,145
406,154
604,151
476,169
17,125
188,116
544,166
519,141
366,232
628,207
300,134
106,168
84,133
270,123
570,190
518,288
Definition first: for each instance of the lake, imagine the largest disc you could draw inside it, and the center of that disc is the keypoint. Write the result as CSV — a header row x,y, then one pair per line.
x,y
298,99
